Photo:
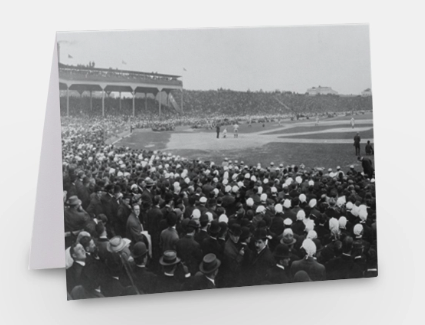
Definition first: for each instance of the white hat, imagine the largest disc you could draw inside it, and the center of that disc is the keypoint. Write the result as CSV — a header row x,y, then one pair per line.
x,y
363,215
312,203
342,222
265,181
223,218
309,224
301,215
215,191
349,205
234,176
298,179
133,186
287,222
225,181
340,201
263,197
196,214
203,199
240,184
260,190
278,208
250,202
228,188
260,209
302,197
333,224
253,178
358,229
312,235
309,246
187,180
274,189
235,189
210,216
355,211
287,203
247,175
310,182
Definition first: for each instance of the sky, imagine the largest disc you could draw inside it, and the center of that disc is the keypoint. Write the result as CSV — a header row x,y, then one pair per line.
x,y
264,58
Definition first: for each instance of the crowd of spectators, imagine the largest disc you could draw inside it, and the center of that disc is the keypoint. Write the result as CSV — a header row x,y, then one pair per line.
x,y
139,222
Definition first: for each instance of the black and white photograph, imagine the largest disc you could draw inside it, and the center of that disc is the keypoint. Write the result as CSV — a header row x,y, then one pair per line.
x,y
216,158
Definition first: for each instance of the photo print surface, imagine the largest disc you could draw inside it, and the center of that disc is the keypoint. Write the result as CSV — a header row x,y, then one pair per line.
x,y
216,158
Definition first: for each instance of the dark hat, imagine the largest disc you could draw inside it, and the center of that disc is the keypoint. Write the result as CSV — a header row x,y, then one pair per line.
x,y
244,233
235,229
281,251
139,249
169,258
260,234
149,182
73,200
209,264
192,225
301,276
214,227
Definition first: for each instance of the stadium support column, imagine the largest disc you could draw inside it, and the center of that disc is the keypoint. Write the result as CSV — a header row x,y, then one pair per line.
x,y
146,102
181,102
91,101
67,101
134,103
103,102
120,101
159,99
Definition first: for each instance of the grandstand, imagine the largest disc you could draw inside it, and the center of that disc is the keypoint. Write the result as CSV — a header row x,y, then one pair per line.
x,y
90,79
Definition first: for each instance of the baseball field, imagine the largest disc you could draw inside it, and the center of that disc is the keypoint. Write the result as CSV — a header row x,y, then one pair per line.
x,y
327,144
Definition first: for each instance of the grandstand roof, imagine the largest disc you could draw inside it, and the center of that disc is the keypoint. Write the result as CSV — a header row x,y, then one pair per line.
x,y
61,65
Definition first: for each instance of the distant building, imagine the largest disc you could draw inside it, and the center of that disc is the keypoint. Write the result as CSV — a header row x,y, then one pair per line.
x,y
321,91
367,92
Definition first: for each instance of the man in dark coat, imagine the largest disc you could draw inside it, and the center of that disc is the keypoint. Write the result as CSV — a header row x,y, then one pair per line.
x,y
343,267
188,250
211,244
367,165
357,143
76,218
73,274
153,219
205,279
134,227
109,208
315,270
280,272
144,280
169,281
262,259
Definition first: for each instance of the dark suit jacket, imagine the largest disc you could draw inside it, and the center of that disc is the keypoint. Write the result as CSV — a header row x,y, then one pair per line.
x,y
167,284
260,264
190,253
134,229
73,276
315,270
343,267
211,245
198,282
145,280
276,275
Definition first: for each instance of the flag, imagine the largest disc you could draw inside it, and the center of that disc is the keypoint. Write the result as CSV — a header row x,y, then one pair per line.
x,y
184,69
123,62
70,56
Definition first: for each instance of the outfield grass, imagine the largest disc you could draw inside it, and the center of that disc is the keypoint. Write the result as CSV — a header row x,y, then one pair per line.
x,y
340,135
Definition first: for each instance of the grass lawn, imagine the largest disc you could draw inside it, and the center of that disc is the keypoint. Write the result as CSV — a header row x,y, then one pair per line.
x,y
340,135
